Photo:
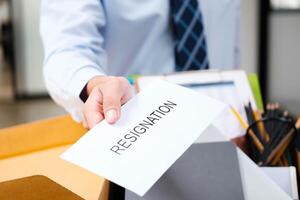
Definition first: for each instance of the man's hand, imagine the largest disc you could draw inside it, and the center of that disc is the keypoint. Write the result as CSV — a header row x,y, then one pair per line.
x,y
106,94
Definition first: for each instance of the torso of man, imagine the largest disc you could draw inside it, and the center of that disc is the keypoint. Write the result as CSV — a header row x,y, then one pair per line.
x,y
87,38
138,35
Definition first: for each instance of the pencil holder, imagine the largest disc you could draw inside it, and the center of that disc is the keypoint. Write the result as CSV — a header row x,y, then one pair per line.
x,y
270,141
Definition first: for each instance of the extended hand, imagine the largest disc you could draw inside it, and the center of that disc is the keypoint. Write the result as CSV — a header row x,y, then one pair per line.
x,y
106,94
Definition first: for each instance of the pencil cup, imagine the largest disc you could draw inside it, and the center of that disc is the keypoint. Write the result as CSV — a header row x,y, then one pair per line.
x,y
270,141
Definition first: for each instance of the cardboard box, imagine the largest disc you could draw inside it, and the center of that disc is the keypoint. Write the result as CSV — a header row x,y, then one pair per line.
x,y
34,149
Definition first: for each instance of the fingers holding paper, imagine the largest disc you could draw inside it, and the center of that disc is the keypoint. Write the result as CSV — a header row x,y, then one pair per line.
x,y
106,95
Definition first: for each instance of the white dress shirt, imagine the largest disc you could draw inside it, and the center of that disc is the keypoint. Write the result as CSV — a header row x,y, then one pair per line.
x,y
85,38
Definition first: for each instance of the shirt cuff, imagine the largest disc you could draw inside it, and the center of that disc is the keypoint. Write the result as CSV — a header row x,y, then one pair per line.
x,y
83,94
80,78
66,73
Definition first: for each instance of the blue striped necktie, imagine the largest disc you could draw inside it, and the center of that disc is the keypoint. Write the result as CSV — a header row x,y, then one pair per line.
x,y
190,43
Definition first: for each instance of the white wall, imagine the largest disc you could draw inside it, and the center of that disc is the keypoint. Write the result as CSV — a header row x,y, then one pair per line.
x,y
249,35
284,59
28,47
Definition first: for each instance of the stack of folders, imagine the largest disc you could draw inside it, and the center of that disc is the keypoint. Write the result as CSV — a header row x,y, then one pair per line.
x,y
272,136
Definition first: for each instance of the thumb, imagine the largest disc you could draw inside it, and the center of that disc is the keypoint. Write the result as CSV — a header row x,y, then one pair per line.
x,y
115,94
111,106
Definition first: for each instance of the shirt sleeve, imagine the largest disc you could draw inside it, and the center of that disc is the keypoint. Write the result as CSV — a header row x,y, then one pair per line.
x,y
72,34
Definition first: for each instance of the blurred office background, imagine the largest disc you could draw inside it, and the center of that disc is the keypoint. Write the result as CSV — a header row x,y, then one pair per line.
x,y
269,39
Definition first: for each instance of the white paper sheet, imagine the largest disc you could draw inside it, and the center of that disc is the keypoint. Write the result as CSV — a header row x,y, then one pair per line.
x,y
135,153
225,91
211,83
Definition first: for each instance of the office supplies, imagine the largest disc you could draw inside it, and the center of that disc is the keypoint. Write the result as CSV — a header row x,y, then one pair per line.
x,y
253,178
35,188
202,172
282,146
231,87
255,86
145,134
251,133
277,130
264,135
251,119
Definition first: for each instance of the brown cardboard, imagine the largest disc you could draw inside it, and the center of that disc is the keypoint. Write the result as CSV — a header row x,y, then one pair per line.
x,y
35,188
34,149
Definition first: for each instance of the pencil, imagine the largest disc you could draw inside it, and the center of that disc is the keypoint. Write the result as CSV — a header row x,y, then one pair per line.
x,y
261,127
281,147
280,131
279,150
244,124
253,120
